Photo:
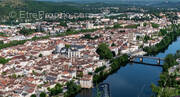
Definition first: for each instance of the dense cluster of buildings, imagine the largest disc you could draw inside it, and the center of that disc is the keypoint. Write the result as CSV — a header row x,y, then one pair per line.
x,y
37,65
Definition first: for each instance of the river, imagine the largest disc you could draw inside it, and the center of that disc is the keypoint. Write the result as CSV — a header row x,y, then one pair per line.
x,y
134,80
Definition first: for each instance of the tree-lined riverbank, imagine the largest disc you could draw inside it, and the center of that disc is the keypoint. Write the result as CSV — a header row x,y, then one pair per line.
x,y
168,86
168,38
115,65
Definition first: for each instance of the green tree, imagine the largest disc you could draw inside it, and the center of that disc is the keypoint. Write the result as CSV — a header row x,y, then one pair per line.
x,y
155,25
67,46
3,60
43,94
162,32
40,55
169,62
138,37
33,95
25,31
98,93
146,38
100,69
104,52
72,88
1,42
80,74
144,24
56,90
113,44
14,76
155,88
63,24
87,36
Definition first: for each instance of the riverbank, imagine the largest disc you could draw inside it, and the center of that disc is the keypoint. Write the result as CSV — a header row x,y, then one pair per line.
x,y
169,37
115,65
169,83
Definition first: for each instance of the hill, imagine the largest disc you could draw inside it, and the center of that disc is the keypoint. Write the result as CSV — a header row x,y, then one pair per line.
x,y
8,6
11,3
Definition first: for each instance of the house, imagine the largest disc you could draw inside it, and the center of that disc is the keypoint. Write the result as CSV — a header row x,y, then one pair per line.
x,y
86,81
71,51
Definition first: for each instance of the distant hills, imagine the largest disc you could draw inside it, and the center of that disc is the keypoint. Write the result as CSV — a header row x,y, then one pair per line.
x,y
152,3
114,1
7,6
11,3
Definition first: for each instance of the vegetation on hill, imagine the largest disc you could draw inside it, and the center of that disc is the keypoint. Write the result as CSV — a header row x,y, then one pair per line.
x,y
33,6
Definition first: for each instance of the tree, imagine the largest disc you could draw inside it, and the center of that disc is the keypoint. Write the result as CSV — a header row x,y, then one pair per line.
x,y
146,38
25,31
33,95
155,25
34,72
144,24
113,44
43,94
56,90
155,88
169,61
87,36
40,55
163,32
163,79
100,69
3,60
63,24
67,46
1,42
138,37
98,93
14,76
104,52
118,62
72,88
80,74
132,26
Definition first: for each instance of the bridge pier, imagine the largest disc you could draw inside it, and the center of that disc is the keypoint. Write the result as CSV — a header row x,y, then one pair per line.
x,y
131,59
141,59
158,61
